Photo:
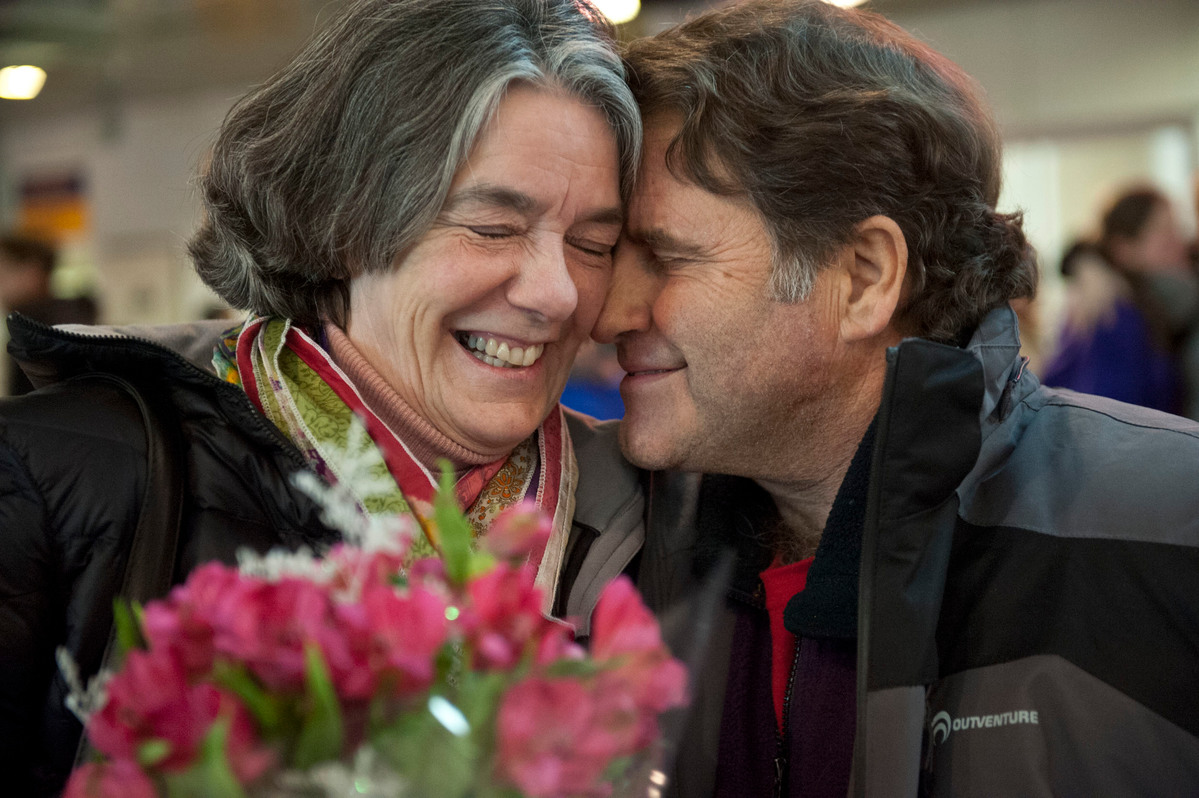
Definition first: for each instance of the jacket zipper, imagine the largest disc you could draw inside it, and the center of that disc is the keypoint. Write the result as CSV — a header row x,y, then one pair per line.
x,y
781,765
870,533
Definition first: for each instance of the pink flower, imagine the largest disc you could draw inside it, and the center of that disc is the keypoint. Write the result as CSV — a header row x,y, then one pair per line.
x,y
388,638
626,637
556,739
622,624
364,568
519,533
118,779
558,643
183,623
267,626
502,619
150,700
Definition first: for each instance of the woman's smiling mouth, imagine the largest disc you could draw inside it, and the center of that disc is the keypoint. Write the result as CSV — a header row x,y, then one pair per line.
x,y
499,353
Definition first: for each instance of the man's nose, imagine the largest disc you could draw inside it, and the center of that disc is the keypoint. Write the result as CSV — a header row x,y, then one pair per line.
x,y
631,293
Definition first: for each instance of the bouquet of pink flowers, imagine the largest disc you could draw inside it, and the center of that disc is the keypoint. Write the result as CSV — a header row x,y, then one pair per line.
x,y
361,673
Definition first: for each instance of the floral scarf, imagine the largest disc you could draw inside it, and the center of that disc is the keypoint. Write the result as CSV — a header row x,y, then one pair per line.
x,y
296,384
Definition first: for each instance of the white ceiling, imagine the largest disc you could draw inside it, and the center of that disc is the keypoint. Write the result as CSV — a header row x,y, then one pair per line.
x,y
98,51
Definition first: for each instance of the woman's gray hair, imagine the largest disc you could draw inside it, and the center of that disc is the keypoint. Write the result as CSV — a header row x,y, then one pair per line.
x,y
343,159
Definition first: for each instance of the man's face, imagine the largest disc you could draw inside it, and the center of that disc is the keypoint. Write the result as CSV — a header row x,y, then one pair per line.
x,y
721,376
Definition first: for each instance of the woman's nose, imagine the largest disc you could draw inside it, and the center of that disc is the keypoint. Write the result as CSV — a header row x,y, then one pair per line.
x,y
544,285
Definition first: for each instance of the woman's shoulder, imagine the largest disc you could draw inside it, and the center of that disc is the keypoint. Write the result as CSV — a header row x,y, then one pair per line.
x,y
72,467
597,448
608,483
74,443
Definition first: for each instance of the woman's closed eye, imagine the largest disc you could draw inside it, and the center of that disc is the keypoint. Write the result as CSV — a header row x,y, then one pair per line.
x,y
494,231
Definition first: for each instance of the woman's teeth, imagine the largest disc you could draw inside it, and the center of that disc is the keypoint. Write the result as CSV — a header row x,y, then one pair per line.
x,y
501,355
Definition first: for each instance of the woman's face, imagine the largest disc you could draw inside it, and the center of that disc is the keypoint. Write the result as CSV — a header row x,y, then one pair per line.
x,y
477,324
1159,246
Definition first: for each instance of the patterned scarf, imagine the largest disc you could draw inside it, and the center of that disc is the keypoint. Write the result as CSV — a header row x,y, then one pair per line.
x,y
295,384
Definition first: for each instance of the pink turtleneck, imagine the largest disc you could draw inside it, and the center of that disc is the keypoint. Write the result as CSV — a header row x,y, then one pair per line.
x,y
426,442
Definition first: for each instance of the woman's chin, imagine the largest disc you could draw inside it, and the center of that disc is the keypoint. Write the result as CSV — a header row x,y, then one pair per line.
x,y
500,435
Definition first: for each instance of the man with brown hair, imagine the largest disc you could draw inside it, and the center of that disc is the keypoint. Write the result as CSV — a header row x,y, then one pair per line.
x,y
950,580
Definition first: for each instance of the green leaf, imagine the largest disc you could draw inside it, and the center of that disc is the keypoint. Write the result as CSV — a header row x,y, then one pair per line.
x,y
322,735
211,773
151,752
126,616
265,708
453,529
480,563
574,668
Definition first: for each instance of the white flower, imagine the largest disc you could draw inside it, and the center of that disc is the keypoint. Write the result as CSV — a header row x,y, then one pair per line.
x,y
82,701
366,777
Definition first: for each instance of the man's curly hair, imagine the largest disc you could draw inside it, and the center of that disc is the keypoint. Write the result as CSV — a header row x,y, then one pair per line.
x,y
824,117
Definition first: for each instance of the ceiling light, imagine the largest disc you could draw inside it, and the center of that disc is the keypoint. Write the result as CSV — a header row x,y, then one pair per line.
x,y
845,3
21,82
619,11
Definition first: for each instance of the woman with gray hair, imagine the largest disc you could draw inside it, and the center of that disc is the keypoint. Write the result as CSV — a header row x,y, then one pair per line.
x,y
419,214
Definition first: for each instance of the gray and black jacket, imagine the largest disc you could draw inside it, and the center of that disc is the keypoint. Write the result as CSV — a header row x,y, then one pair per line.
x,y
1028,608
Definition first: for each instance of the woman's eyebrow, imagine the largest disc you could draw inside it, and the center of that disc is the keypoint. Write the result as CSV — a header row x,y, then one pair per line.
x,y
493,196
613,216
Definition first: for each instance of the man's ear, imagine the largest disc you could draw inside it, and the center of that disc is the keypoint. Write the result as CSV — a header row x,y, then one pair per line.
x,y
873,267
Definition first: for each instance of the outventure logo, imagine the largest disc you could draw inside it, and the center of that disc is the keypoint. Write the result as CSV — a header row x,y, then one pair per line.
x,y
943,724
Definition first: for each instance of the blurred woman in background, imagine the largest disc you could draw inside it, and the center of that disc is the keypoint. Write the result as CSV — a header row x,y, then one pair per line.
x,y
419,213
1132,303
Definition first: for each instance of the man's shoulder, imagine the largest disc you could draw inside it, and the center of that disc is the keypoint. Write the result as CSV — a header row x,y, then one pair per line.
x,y
1076,465
1095,423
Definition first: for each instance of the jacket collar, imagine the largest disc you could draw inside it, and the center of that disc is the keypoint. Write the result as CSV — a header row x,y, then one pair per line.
x,y
50,354
996,345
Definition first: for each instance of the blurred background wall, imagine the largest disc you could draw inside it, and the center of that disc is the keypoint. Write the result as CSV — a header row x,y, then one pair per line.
x,y
1089,93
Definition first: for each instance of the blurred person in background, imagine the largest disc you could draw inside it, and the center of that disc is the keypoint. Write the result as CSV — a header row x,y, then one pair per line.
x,y
26,271
1132,307
419,212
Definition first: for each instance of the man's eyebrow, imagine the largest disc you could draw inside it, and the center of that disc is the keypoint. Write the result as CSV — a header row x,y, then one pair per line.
x,y
661,241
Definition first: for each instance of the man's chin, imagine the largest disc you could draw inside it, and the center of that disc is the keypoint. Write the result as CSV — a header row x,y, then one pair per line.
x,y
646,448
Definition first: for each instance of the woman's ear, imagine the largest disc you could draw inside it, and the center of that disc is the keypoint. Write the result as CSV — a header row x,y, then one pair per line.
x,y
874,265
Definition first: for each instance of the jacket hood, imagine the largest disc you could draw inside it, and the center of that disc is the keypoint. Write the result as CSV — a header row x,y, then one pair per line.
x,y
51,354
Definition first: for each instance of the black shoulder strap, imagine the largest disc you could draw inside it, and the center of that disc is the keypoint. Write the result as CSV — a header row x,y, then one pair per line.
x,y
150,567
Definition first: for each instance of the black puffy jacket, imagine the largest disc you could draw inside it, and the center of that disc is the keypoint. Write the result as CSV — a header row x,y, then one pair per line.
x,y
73,484
73,470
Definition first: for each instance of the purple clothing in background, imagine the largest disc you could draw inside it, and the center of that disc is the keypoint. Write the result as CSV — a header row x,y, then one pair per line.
x,y
1119,360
